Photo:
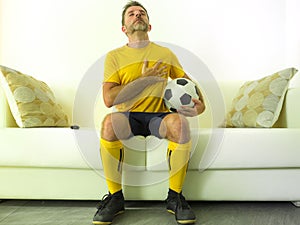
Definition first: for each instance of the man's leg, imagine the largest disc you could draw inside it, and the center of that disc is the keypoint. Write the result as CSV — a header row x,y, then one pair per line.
x,y
115,127
178,157
175,128
112,155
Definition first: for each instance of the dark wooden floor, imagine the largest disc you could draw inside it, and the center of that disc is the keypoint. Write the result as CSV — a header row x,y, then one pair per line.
x,y
22,212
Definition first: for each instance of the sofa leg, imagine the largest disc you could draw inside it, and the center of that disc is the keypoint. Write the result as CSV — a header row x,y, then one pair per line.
x,y
296,203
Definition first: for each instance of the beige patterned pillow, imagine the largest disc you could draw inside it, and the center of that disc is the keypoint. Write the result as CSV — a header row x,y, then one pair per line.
x,y
258,103
31,101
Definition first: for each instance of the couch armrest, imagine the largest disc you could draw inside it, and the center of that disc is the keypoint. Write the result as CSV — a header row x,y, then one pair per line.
x,y
292,108
6,118
2,108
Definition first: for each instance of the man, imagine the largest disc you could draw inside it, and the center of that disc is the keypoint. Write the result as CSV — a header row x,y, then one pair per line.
x,y
134,79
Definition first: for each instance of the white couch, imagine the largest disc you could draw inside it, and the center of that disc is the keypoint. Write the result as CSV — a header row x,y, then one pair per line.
x,y
226,163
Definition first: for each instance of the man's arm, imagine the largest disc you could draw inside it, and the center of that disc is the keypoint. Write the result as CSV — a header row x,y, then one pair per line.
x,y
114,94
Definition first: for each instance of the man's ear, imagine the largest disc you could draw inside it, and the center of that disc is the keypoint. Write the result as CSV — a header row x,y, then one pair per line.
x,y
123,29
149,27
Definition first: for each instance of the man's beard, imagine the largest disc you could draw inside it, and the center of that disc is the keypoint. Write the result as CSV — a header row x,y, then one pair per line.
x,y
138,27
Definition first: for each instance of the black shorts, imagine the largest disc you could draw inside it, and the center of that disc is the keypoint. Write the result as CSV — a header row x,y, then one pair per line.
x,y
145,124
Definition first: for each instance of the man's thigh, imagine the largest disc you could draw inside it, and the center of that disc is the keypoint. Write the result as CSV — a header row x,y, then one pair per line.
x,y
115,126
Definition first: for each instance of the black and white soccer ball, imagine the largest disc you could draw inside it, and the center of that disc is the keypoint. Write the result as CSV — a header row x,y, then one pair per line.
x,y
180,92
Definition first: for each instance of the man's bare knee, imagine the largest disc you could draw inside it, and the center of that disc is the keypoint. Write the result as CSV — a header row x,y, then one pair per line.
x,y
175,127
115,126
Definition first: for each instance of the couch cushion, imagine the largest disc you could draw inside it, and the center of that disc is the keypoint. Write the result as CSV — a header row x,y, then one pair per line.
x,y
255,149
62,148
259,103
31,101
234,148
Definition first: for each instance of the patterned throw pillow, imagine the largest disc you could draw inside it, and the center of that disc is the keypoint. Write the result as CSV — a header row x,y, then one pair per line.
x,y
258,103
31,101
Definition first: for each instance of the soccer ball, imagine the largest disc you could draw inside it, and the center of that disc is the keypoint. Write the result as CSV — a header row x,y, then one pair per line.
x,y
180,92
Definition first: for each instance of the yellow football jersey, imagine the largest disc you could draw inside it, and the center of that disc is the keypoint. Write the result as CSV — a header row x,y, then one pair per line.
x,y
124,65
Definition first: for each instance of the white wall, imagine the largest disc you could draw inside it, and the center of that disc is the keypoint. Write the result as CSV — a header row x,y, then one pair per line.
x,y
57,41
237,39
293,37
1,9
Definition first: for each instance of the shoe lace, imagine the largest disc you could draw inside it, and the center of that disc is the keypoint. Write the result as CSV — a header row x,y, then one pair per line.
x,y
105,199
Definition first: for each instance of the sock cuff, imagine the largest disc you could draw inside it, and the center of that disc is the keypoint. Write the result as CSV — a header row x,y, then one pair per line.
x,y
176,146
111,144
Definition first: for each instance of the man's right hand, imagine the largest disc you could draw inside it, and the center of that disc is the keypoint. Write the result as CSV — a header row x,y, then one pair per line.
x,y
157,70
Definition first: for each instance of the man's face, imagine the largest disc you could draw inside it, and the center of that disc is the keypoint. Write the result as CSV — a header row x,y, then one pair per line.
x,y
135,19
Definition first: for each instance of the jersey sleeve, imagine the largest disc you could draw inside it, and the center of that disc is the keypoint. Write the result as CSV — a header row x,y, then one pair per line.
x,y
176,68
111,69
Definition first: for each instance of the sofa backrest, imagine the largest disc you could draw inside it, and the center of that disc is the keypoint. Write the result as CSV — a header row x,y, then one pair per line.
x,y
66,96
6,118
290,114
229,89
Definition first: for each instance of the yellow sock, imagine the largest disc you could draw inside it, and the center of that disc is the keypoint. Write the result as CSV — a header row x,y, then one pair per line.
x,y
178,157
112,155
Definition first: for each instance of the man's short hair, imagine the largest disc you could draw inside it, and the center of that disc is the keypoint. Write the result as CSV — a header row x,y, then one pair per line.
x,y
129,4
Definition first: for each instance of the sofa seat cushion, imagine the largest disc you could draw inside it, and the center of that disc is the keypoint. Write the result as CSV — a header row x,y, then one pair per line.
x,y
61,148
258,148
234,148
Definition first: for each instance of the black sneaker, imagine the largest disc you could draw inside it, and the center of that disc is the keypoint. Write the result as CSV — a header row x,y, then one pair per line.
x,y
176,204
109,207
